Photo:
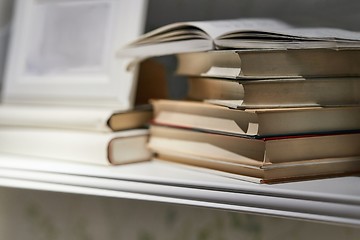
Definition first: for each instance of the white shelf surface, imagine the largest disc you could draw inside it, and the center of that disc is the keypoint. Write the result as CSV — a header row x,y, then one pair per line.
x,y
335,200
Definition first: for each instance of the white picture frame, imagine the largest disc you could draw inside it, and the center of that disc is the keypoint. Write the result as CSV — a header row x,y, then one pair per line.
x,y
64,52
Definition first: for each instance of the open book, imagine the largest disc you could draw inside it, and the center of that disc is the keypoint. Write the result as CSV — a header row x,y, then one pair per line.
x,y
237,34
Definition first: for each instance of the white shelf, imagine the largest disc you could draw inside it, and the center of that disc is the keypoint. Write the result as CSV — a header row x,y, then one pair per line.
x,y
335,200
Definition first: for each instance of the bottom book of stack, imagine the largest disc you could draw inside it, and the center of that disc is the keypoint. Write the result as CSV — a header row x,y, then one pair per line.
x,y
104,148
263,160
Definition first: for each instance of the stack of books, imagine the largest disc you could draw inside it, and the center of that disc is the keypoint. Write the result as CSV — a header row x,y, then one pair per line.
x,y
267,102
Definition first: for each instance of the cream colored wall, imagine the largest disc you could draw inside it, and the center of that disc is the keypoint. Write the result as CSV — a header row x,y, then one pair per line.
x,y
36,215
5,17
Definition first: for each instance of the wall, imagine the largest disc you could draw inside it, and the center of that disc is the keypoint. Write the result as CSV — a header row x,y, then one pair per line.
x,y
324,13
5,16
31,215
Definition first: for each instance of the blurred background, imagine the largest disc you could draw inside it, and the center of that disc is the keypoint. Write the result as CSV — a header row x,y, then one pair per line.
x,y
26,214
325,13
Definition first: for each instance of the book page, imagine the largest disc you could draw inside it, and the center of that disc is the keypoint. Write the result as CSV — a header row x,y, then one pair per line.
x,y
325,33
274,33
213,29
250,33
217,28
272,29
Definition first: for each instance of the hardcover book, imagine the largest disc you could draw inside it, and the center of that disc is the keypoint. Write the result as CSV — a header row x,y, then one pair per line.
x,y
276,93
268,160
270,63
256,123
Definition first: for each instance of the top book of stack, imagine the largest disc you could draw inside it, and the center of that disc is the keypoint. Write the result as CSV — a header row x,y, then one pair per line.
x,y
237,34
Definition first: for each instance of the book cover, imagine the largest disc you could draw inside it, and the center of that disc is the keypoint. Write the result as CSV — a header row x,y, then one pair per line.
x,y
270,63
256,123
254,151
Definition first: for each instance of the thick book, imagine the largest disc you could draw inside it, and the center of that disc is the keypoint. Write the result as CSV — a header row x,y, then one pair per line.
x,y
236,34
91,147
269,174
256,122
271,159
81,118
256,152
283,63
276,93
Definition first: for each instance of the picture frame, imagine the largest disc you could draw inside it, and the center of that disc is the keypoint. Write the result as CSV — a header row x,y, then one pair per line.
x,y
64,52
